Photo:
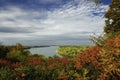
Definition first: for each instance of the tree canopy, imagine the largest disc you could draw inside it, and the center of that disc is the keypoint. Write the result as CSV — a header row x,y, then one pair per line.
x,y
113,17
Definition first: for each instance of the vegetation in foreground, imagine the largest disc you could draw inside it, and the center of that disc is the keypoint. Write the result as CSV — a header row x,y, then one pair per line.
x,y
94,63
100,62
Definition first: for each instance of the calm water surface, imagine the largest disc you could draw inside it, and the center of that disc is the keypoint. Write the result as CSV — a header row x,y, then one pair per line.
x,y
47,51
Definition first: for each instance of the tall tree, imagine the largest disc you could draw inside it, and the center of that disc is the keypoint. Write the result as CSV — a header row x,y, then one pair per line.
x,y
113,18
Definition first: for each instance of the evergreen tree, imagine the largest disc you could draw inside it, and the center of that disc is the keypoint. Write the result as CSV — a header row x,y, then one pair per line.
x,y
113,17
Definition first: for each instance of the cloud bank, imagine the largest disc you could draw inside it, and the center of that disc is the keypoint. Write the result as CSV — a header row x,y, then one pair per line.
x,y
72,23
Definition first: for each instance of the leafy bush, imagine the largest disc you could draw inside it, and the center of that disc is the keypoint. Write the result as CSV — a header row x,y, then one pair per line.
x,y
17,52
3,51
88,63
6,73
16,56
111,59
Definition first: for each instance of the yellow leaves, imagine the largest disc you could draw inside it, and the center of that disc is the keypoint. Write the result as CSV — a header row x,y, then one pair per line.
x,y
71,51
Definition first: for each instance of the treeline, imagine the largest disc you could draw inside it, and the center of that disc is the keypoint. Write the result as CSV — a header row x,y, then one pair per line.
x,y
71,51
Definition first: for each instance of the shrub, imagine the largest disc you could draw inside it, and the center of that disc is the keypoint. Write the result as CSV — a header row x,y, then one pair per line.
x,y
111,59
6,73
3,51
88,63
16,56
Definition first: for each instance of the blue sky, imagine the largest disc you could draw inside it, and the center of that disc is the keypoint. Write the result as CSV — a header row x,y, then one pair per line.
x,y
44,22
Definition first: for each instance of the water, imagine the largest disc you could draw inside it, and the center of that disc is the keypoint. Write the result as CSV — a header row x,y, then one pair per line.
x,y
47,51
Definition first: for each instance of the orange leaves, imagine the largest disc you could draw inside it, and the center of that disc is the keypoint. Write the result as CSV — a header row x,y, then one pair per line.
x,y
104,60
92,55
111,59
63,77
113,42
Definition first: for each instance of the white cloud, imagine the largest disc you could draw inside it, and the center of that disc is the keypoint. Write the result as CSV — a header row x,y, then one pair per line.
x,y
69,20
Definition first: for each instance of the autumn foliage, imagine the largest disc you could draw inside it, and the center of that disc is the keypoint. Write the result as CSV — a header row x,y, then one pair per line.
x,y
94,63
102,62
111,59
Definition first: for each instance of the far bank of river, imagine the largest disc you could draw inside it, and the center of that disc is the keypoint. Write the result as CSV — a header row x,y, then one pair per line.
x,y
47,51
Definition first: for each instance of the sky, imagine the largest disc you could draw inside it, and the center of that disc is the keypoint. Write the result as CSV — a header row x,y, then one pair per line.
x,y
50,22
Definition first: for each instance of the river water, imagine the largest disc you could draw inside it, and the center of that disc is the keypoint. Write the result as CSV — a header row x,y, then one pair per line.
x,y
47,51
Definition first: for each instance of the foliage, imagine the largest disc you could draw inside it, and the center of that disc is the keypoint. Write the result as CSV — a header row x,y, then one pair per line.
x,y
99,62
93,63
3,51
5,73
111,59
9,63
34,61
88,63
113,17
71,51
98,40
17,52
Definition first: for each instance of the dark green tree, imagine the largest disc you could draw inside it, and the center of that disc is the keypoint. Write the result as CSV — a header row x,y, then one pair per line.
x,y
3,51
113,17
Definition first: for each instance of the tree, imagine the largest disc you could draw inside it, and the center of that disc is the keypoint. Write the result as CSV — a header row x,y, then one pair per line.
x,y
3,51
113,18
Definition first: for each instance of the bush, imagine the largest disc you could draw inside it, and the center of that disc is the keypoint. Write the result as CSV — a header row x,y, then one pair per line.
x,y
3,51
6,73
111,59
16,56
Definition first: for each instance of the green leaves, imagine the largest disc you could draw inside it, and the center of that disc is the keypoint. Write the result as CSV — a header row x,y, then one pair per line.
x,y
5,73
71,51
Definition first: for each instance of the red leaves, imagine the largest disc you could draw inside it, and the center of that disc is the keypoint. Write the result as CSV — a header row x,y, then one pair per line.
x,y
5,62
16,65
64,60
92,55
34,61
59,60
104,60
